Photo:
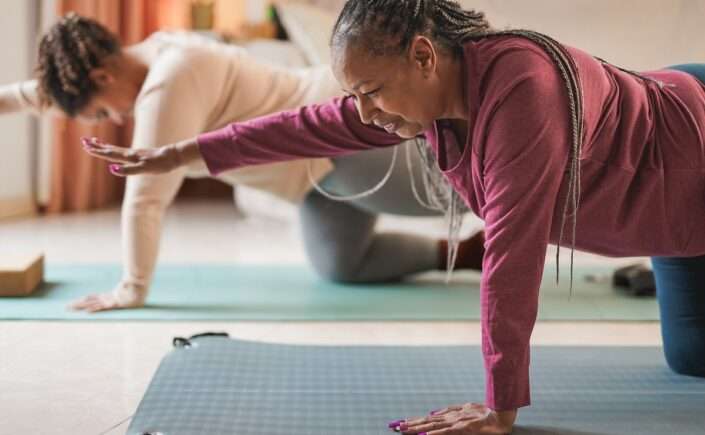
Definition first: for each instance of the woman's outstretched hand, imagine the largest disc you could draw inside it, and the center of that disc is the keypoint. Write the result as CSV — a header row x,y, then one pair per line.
x,y
467,419
124,295
130,161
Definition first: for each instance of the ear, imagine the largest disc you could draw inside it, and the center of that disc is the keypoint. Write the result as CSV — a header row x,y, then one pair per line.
x,y
101,77
423,55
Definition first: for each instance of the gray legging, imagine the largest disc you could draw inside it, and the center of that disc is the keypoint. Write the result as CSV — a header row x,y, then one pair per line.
x,y
340,237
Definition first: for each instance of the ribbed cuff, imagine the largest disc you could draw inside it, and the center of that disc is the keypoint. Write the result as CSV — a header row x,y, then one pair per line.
x,y
218,150
507,389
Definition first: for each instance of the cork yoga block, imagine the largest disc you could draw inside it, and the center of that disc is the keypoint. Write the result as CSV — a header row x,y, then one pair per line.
x,y
20,275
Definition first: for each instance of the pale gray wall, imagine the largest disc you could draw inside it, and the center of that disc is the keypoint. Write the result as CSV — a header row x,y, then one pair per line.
x,y
17,132
637,34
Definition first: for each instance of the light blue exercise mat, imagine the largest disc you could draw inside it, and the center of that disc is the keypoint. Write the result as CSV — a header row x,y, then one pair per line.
x,y
219,386
275,292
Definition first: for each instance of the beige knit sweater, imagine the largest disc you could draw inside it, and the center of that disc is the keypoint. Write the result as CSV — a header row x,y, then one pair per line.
x,y
195,85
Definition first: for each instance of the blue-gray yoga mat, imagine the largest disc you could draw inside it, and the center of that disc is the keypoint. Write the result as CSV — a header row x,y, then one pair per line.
x,y
220,386
275,292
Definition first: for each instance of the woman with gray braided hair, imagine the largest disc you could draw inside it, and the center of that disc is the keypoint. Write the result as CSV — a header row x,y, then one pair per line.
x,y
546,143
177,85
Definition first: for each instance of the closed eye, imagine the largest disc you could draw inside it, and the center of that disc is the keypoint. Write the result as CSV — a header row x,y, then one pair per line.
x,y
101,114
372,94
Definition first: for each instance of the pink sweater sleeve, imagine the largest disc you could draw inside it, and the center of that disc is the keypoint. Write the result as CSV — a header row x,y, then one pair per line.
x,y
324,130
524,159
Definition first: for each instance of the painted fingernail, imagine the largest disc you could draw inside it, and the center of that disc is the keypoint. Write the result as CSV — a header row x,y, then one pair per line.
x,y
436,411
395,423
115,169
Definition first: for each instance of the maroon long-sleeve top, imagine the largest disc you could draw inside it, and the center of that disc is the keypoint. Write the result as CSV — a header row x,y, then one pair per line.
x,y
642,174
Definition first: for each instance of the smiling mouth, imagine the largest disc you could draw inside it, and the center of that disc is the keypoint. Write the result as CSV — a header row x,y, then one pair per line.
x,y
390,127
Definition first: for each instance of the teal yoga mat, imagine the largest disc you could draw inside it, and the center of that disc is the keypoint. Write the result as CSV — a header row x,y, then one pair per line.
x,y
276,292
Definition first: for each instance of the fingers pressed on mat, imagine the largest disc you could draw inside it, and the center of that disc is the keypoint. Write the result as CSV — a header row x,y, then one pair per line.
x,y
427,427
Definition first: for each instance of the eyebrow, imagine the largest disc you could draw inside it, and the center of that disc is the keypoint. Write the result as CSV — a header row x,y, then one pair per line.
x,y
357,86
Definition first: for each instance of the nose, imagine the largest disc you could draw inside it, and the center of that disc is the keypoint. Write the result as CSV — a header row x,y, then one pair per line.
x,y
365,108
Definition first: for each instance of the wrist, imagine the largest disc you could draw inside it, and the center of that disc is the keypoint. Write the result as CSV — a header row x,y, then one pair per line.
x,y
130,294
186,152
507,418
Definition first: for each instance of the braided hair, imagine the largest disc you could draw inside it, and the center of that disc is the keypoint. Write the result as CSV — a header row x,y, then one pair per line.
x,y
387,27
67,53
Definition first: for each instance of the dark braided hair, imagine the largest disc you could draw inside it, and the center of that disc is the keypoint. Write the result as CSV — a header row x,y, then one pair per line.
x,y
385,27
67,53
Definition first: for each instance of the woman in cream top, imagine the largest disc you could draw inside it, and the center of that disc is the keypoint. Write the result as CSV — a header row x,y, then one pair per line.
x,y
177,85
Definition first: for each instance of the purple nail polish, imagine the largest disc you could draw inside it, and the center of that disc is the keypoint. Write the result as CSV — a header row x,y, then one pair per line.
x,y
395,423
115,168
422,433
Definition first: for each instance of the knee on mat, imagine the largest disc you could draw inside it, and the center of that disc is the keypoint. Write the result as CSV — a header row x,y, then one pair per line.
x,y
686,360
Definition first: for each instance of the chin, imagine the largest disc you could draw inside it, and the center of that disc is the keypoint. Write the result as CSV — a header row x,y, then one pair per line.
x,y
409,133
405,134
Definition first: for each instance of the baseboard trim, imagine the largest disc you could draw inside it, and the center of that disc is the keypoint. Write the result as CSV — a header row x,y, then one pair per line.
x,y
16,207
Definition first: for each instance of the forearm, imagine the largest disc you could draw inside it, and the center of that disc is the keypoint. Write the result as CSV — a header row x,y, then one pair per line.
x,y
141,233
21,96
320,130
327,130
9,103
145,203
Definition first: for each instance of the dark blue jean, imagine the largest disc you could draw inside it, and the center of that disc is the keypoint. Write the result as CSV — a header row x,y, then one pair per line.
x,y
695,69
680,289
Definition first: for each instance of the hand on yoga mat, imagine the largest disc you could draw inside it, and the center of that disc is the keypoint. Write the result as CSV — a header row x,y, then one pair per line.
x,y
124,296
467,419
129,161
